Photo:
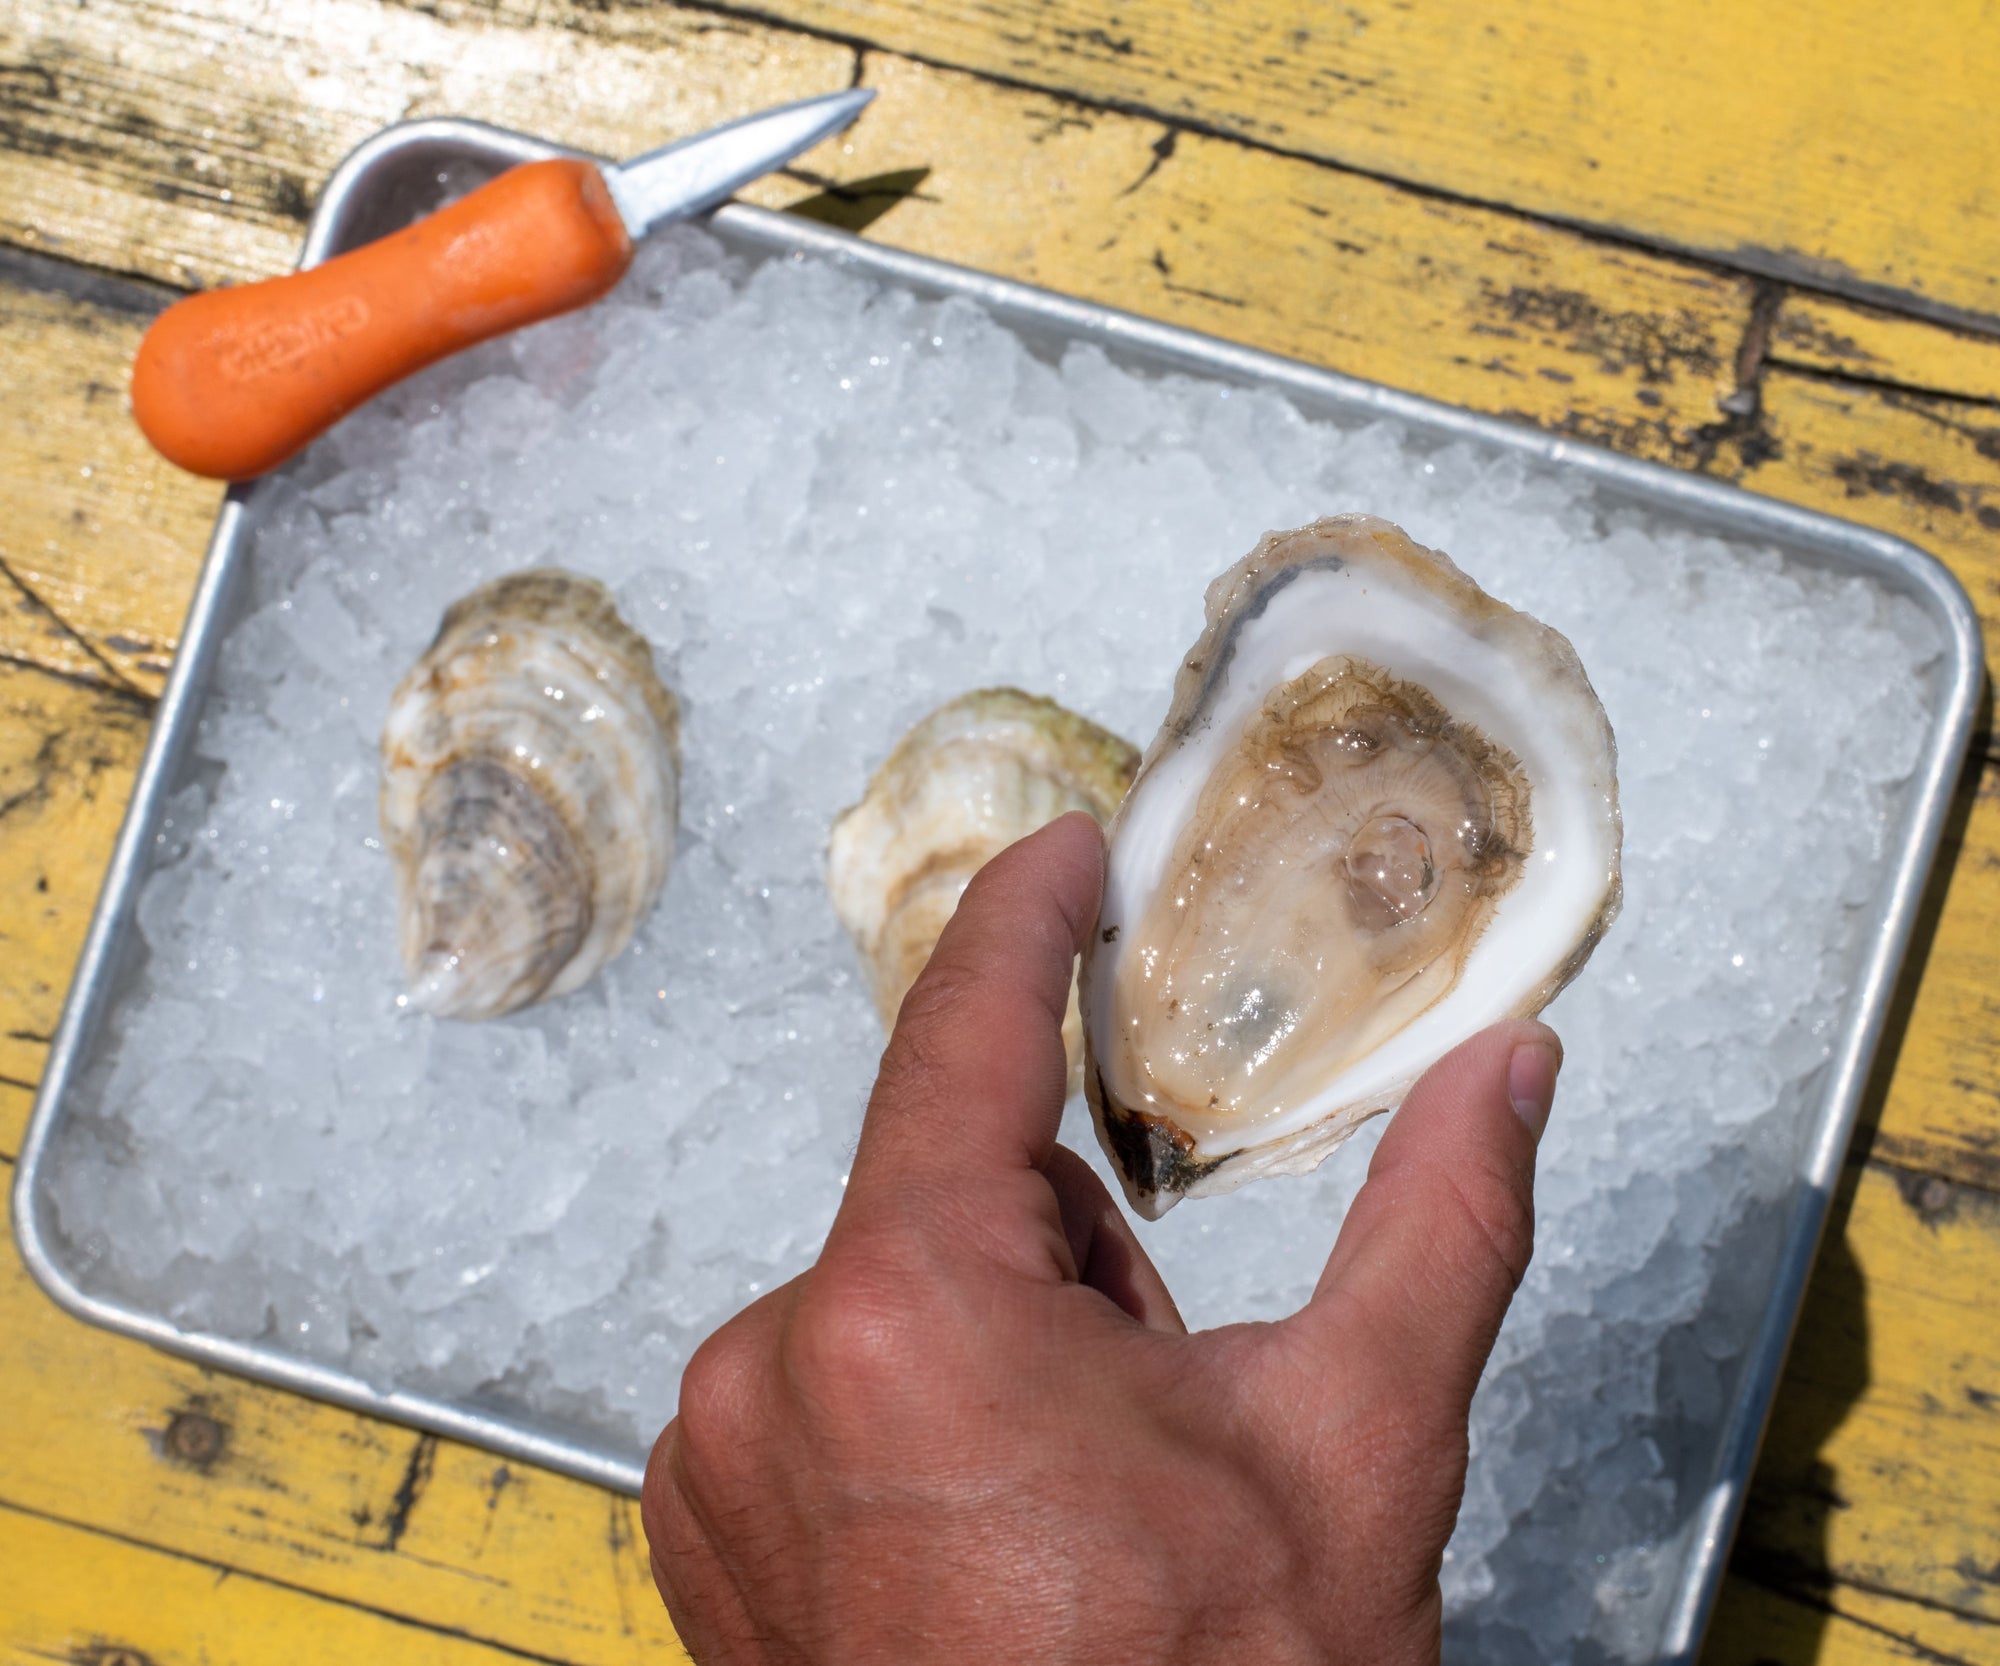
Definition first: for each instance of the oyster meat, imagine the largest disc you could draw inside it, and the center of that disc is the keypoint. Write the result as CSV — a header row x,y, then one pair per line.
x,y
1382,814
530,781
980,772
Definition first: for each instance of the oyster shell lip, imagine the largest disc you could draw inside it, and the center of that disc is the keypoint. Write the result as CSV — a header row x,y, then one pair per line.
x,y
1355,585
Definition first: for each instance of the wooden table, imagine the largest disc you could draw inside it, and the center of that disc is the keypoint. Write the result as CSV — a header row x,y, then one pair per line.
x,y
1660,228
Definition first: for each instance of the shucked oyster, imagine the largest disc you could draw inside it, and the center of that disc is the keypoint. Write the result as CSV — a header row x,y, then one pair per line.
x,y
1382,814
530,779
978,773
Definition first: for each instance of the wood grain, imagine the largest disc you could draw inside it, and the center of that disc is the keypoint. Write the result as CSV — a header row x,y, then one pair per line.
x,y
1843,1625
1480,307
185,143
68,753
1483,309
1882,1465
1865,344
72,1595
1922,466
1844,143
102,538
1941,1113
286,1490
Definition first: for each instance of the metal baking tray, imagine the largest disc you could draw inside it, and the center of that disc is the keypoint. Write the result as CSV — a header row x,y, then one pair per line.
x,y
393,178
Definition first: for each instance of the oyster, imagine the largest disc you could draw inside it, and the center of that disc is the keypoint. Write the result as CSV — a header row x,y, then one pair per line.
x,y
1382,814
530,780
978,773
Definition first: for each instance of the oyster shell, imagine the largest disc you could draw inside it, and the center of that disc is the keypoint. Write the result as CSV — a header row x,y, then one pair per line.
x,y
1382,814
530,781
967,781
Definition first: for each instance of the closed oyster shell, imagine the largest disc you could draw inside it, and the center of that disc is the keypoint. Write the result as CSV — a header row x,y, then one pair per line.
x,y
530,781
980,772
1382,814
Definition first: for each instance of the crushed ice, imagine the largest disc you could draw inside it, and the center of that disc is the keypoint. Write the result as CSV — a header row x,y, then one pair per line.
x,y
831,505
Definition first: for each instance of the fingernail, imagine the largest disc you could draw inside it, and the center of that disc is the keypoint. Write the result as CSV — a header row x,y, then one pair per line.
x,y
1531,1083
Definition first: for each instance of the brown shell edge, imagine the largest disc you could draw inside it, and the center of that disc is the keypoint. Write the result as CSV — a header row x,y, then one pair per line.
x,y
1155,1161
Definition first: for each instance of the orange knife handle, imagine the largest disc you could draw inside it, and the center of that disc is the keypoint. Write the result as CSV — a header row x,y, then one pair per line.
x,y
231,382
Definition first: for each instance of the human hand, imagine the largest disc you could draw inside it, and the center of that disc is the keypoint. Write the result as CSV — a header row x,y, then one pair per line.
x,y
977,1429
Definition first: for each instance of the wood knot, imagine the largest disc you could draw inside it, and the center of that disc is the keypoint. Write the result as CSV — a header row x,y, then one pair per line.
x,y
111,1654
195,1439
1931,1196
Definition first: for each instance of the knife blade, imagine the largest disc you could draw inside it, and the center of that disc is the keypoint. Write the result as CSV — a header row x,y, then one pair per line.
x,y
231,382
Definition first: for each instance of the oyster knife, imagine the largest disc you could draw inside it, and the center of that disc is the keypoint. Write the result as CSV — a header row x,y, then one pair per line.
x,y
231,382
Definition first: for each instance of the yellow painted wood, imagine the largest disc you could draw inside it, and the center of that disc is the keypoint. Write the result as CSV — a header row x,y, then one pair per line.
x,y
1942,1112
1847,141
16,1099
148,113
129,1442
184,142
68,752
1923,467
1883,1461
1471,306
1815,332
70,1595
1842,1626
102,538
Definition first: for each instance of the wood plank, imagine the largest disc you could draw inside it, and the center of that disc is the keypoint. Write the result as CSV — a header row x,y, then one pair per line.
x,y
1841,1626
16,1100
68,1594
1922,466
102,538
1816,332
1941,1114
285,1489
1483,309
184,143
1830,142
1882,1465
68,754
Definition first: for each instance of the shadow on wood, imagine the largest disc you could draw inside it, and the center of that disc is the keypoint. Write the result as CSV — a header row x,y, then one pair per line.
x,y
859,204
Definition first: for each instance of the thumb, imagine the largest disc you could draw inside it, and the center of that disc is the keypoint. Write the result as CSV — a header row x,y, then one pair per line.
x,y
971,1085
1439,1236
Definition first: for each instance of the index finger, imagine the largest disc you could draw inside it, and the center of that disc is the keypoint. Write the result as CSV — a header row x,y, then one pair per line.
x,y
972,1082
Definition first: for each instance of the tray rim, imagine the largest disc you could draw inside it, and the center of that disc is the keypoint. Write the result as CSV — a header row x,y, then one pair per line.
x,y
1712,1520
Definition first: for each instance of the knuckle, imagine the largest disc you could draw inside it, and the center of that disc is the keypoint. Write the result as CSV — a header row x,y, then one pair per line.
x,y
856,1344
663,1511
721,1392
